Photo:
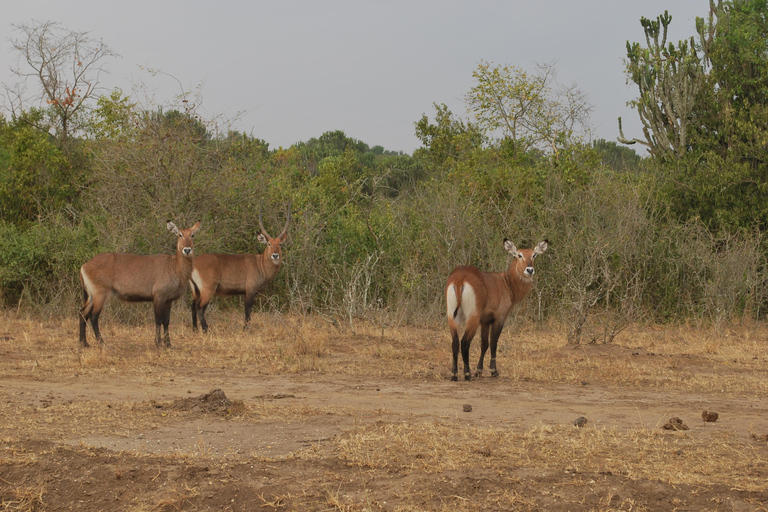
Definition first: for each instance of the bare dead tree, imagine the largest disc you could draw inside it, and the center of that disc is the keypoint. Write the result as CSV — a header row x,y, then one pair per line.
x,y
64,66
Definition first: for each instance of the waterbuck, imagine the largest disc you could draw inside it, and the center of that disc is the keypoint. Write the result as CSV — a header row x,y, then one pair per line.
x,y
484,299
236,274
159,278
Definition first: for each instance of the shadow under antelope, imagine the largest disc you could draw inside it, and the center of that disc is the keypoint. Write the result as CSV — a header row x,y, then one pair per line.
x,y
159,278
236,274
484,299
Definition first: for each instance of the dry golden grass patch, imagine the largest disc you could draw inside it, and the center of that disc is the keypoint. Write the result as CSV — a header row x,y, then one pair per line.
x,y
680,357
123,419
677,357
66,421
637,454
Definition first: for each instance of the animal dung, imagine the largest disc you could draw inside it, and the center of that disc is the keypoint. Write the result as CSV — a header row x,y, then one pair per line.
x,y
467,408
709,416
580,421
675,424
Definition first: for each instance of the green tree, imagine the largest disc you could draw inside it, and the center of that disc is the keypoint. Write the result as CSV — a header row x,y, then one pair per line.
x,y
618,158
703,106
532,110
115,116
35,176
732,116
447,140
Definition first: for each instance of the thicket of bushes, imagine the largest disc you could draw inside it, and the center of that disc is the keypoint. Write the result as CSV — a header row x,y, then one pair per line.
x,y
375,234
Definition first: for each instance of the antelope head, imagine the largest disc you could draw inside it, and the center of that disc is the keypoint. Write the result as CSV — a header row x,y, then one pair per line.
x,y
274,250
523,262
184,245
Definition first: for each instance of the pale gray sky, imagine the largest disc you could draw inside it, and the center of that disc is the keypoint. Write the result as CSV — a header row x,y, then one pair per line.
x,y
287,71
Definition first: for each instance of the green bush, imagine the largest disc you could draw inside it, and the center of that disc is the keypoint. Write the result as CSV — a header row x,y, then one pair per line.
x,y
39,264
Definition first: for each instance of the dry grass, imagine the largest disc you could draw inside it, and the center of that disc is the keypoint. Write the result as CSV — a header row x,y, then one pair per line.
x,y
647,356
426,448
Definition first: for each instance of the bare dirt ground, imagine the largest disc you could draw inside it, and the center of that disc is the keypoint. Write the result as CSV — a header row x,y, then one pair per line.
x,y
298,415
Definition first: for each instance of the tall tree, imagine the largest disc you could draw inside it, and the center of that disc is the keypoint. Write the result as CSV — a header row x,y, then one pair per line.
x,y
669,79
732,112
448,139
66,66
531,109
704,113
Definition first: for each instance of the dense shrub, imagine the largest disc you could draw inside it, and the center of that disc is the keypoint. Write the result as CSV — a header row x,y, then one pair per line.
x,y
375,234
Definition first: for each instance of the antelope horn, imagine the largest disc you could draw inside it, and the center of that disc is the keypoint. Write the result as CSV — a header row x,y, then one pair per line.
x,y
285,229
263,231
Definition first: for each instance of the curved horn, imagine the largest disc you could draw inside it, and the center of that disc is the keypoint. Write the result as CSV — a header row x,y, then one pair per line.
x,y
288,220
263,231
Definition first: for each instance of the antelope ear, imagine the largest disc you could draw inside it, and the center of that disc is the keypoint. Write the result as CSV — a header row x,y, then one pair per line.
x,y
261,238
172,228
510,248
540,248
196,228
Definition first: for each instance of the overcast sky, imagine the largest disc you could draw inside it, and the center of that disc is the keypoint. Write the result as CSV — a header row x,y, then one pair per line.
x,y
287,71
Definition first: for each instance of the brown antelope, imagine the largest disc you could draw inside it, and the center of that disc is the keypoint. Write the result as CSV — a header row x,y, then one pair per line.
x,y
236,274
160,278
484,299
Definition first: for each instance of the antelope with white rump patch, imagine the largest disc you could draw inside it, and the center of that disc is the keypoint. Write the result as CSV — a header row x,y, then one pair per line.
x,y
484,299
236,274
159,278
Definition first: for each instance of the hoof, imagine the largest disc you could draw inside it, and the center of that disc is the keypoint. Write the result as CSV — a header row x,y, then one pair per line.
x,y
494,373
478,373
467,376
454,378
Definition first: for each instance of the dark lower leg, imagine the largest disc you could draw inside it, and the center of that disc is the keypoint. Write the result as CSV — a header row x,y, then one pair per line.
x,y
248,306
494,342
455,347
166,323
95,326
465,356
483,349
203,322
83,327
194,307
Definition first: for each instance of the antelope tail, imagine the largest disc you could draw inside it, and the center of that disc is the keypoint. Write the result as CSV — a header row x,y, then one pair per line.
x,y
453,299
458,293
87,298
